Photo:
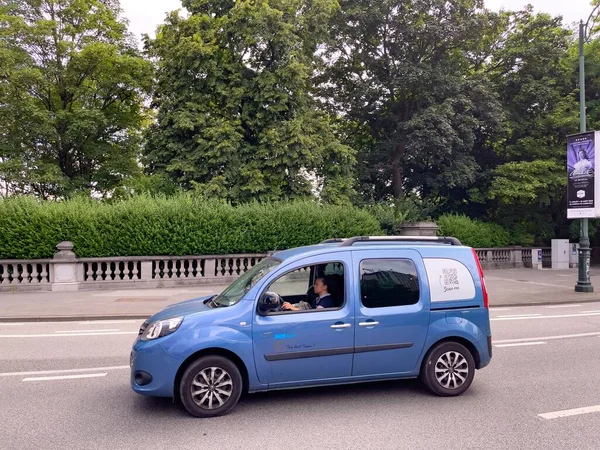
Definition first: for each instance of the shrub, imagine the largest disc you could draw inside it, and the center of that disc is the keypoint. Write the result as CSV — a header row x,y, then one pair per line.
x,y
391,215
181,225
473,232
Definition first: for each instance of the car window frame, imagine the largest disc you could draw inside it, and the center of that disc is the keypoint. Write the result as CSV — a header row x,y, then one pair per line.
x,y
360,293
313,273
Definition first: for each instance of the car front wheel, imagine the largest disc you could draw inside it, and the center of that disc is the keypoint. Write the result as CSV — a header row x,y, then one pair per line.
x,y
211,386
448,369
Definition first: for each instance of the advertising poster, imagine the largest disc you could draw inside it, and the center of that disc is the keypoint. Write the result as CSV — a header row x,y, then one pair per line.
x,y
581,169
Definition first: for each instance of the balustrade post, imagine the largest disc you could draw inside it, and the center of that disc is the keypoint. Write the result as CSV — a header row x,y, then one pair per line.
x,y
517,257
210,266
146,271
64,269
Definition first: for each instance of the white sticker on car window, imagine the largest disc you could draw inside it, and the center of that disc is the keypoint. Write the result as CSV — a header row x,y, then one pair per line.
x,y
449,280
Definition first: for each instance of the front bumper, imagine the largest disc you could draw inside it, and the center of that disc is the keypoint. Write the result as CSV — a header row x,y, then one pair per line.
x,y
149,361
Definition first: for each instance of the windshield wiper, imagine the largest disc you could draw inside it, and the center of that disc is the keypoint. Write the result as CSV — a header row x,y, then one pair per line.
x,y
210,302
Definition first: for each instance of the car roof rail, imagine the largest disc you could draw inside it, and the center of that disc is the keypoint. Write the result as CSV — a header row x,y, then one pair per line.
x,y
332,240
425,239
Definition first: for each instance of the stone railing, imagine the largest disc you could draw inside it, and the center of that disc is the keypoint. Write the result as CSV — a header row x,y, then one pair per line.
x,y
513,257
66,272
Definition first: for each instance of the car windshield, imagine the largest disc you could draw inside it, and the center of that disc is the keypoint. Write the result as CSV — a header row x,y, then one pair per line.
x,y
236,290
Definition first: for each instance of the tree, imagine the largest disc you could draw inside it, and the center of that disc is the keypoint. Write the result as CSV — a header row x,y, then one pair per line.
x,y
72,86
533,68
237,117
400,71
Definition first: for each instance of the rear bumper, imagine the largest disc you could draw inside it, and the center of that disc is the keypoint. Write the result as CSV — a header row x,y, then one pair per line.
x,y
484,348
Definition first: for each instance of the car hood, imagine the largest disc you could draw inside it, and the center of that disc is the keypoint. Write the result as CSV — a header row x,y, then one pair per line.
x,y
184,308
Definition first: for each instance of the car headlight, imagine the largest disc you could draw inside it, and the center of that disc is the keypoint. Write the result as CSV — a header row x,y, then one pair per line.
x,y
161,328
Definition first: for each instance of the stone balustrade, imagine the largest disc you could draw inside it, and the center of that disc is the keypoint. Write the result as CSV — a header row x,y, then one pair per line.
x,y
66,272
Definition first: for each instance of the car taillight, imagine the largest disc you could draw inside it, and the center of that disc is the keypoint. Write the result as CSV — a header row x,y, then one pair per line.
x,y
483,287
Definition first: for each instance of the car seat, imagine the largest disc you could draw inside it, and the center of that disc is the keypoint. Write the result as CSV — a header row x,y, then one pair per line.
x,y
335,285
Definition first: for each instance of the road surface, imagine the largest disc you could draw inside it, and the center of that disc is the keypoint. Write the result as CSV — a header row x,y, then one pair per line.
x,y
65,385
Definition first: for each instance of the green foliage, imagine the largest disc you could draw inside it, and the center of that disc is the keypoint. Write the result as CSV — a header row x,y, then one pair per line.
x,y
473,233
392,215
526,183
377,103
183,225
574,229
237,116
72,84
400,71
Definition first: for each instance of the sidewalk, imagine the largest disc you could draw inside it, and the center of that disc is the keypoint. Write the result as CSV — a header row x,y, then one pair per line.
x,y
512,287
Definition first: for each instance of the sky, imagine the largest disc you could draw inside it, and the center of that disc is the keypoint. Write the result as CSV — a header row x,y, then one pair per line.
x,y
145,15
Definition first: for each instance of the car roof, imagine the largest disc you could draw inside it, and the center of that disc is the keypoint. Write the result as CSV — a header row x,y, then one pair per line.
x,y
427,246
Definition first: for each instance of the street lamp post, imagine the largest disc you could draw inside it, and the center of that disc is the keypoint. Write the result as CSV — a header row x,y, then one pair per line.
x,y
584,283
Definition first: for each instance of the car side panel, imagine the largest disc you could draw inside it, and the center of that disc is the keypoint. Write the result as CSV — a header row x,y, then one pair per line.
x,y
406,326
462,324
228,334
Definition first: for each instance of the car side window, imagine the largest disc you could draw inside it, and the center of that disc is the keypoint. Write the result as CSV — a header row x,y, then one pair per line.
x,y
298,292
388,282
292,283
333,268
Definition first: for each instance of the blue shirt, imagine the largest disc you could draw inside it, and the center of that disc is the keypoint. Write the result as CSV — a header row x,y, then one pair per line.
x,y
324,302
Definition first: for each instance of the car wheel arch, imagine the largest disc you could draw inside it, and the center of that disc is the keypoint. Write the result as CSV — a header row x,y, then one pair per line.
x,y
214,351
459,340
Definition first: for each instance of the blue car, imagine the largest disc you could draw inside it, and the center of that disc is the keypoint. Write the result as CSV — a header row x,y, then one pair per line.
x,y
343,311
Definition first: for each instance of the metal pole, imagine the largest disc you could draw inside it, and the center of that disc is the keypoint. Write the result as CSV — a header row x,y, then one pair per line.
x,y
584,283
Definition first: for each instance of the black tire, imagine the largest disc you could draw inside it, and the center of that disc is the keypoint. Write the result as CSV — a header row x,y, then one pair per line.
x,y
210,393
450,359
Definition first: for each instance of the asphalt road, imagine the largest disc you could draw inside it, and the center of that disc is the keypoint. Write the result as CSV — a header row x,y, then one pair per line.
x,y
538,367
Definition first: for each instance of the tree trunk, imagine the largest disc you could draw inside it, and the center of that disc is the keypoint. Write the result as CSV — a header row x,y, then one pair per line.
x,y
398,171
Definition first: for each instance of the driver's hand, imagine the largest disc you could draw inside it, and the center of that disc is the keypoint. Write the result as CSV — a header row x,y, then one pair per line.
x,y
287,306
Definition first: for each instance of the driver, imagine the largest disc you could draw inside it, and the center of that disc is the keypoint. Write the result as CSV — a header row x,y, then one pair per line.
x,y
323,301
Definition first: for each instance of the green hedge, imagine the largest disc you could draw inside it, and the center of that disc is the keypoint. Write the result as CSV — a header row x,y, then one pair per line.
x,y
473,232
183,225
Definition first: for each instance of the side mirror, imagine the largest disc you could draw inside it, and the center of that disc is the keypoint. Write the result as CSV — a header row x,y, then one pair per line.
x,y
268,302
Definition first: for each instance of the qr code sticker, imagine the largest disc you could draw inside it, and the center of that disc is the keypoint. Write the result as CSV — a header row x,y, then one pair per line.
x,y
450,277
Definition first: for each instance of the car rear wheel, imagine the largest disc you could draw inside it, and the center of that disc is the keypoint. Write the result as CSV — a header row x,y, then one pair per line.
x,y
211,386
448,369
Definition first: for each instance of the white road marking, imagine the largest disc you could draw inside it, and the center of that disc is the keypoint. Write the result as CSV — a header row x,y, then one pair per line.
x,y
66,377
50,372
529,282
520,344
83,333
90,322
521,315
86,331
546,338
562,306
10,324
500,309
546,317
570,412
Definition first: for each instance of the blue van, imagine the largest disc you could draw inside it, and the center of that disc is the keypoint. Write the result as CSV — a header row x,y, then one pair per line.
x,y
343,311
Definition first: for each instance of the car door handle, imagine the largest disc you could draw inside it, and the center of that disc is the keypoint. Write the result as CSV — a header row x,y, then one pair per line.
x,y
341,325
371,323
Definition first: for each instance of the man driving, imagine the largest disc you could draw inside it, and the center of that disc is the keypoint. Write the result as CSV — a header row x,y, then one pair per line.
x,y
323,301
